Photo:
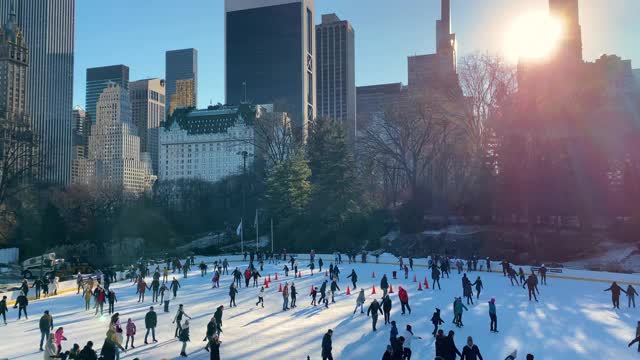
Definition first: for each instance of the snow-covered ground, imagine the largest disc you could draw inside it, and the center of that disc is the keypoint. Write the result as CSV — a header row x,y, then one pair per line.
x,y
573,320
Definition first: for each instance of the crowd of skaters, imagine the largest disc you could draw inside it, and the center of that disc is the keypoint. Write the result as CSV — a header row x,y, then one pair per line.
x,y
398,348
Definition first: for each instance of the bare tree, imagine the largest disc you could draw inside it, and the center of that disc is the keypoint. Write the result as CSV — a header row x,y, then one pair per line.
x,y
487,81
18,165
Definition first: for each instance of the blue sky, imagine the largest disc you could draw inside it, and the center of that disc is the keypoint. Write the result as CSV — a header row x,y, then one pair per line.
x,y
138,32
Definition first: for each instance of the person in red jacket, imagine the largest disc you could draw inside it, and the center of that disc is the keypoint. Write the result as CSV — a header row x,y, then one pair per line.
x,y
100,300
142,288
247,277
404,299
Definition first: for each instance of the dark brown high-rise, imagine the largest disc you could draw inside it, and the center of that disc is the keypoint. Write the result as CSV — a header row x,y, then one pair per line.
x,y
567,11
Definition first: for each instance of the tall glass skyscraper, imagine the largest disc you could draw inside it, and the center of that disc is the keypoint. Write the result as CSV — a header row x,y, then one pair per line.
x,y
269,56
181,65
48,27
99,79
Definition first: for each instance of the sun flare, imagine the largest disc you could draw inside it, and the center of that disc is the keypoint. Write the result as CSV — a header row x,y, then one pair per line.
x,y
532,36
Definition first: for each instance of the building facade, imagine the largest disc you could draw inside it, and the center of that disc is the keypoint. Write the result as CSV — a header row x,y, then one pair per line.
x,y
114,157
335,65
81,131
183,97
567,11
433,71
148,112
208,144
16,137
181,66
98,79
270,57
48,28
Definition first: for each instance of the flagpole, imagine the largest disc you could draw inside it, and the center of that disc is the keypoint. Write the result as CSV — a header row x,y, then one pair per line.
x,y
257,230
271,235
242,235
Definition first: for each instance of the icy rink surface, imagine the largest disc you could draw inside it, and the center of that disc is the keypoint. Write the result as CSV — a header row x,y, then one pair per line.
x,y
573,320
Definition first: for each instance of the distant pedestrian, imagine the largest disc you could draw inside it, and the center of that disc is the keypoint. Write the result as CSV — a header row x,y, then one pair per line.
x,y
131,333
327,346
373,310
493,316
184,338
436,320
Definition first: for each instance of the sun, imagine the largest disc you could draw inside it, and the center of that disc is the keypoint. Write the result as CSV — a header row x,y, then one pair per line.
x,y
532,36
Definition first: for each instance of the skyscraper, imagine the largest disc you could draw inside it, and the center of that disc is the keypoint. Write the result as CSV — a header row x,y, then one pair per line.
x,y
148,111
181,65
48,28
567,11
336,80
438,69
98,79
183,97
114,146
80,141
269,56
16,145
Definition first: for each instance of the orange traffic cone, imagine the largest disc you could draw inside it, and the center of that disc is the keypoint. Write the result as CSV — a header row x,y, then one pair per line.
x,y
269,278
373,275
373,291
419,286
266,284
414,279
390,289
280,287
426,284
276,276
299,274
348,291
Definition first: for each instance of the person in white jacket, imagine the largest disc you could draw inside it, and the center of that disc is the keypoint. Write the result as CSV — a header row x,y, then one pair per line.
x,y
408,337
50,348
261,297
56,282
360,302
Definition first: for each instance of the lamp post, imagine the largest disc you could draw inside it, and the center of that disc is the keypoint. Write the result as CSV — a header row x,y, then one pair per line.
x,y
244,155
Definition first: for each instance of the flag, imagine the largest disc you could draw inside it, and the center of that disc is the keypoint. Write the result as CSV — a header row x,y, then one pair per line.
x,y
239,229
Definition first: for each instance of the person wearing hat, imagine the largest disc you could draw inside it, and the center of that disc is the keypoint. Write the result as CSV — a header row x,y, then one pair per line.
x,y
326,345
471,351
408,337
493,316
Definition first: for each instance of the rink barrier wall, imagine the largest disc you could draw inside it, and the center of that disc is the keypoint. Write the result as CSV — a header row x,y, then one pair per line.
x,y
566,277
69,286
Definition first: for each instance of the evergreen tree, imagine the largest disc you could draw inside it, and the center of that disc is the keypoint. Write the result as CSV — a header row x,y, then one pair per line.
x,y
336,192
288,187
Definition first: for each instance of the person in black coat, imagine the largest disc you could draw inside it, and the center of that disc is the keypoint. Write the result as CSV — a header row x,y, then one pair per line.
x,y
384,285
150,323
4,309
398,348
353,277
218,316
450,347
326,346
373,310
214,345
386,308
87,353
615,294
441,345
232,295
21,303
293,293
436,320
471,351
